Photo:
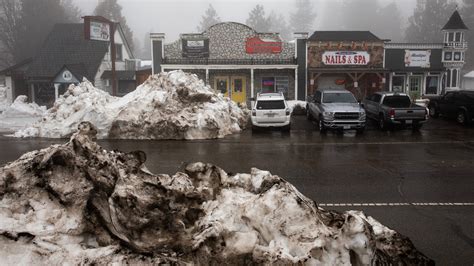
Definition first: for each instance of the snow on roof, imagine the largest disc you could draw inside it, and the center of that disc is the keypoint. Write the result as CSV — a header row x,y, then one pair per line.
x,y
469,74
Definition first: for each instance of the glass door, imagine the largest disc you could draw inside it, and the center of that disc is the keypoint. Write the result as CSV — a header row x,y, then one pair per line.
x,y
238,89
222,85
415,87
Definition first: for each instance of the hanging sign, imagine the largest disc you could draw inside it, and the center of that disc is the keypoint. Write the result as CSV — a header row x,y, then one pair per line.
x,y
255,45
340,58
195,48
99,31
417,58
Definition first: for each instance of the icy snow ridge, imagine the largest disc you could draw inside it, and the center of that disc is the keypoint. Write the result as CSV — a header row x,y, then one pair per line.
x,y
78,203
174,105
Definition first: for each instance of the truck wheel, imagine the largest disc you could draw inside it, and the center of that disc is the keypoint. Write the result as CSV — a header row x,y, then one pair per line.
x,y
462,118
322,128
433,110
382,124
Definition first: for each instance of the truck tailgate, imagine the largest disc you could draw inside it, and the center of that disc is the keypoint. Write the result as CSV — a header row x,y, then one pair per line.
x,y
410,113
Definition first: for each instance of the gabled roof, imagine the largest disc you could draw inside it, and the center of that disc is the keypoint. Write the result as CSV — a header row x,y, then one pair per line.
x,y
79,71
344,36
455,22
66,45
21,66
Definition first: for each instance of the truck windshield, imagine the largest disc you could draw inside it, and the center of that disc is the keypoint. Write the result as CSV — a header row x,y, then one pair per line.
x,y
269,105
397,101
338,97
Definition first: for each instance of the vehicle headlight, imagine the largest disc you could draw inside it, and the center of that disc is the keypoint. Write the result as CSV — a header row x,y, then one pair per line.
x,y
328,113
362,115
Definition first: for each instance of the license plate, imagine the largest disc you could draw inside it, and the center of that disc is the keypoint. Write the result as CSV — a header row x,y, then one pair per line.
x,y
408,121
347,127
270,114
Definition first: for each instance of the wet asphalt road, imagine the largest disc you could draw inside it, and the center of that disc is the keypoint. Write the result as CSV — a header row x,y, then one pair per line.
x,y
435,165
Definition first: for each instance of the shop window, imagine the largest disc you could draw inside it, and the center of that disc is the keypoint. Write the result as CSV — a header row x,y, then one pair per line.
x,y
282,84
118,52
448,56
457,56
448,79
398,83
432,85
415,83
458,36
454,78
451,37
268,84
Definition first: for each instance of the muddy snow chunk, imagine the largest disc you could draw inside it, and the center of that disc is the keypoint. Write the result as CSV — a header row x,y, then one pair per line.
x,y
174,105
78,203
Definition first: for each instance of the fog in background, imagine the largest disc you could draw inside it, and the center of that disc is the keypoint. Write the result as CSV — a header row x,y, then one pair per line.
x,y
173,17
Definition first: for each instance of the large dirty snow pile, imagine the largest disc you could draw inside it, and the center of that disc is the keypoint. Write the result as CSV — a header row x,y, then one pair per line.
x,y
22,108
174,105
78,203
20,114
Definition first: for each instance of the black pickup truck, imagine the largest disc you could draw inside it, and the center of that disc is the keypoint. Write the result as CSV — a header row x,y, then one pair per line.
x,y
393,108
454,104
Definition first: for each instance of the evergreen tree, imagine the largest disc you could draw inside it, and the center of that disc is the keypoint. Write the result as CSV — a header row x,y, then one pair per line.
x,y
208,19
111,10
10,15
389,24
257,19
428,19
278,24
302,20
36,22
467,13
360,14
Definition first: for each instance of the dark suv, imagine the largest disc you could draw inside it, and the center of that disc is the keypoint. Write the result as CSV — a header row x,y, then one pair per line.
x,y
454,104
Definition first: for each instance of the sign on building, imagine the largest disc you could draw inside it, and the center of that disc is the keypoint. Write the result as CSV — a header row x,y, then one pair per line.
x,y
195,48
255,45
342,58
99,31
417,58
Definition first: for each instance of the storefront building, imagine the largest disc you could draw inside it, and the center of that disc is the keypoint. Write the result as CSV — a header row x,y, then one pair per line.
x,y
233,59
353,60
428,69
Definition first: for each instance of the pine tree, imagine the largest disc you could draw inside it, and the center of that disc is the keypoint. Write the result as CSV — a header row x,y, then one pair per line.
x,y
427,20
111,10
467,13
10,15
389,24
302,20
360,14
208,19
278,24
257,19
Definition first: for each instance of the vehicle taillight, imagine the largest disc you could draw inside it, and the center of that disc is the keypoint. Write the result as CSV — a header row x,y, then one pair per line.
x,y
391,113
287,111
254,112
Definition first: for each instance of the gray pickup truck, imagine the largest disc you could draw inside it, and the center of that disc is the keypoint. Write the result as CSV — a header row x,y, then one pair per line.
x,y
393,108
335,109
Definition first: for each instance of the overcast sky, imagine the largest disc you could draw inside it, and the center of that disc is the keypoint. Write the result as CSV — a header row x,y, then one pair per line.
x,y
173,17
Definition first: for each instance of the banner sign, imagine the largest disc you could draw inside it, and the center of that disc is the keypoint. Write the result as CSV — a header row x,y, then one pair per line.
x,y
99,31
342,58
195,48
417,58
255,45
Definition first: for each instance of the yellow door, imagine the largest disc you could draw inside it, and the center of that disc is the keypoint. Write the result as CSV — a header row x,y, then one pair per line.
x,y
239,89
221,84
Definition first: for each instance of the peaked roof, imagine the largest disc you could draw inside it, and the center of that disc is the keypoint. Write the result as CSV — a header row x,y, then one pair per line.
x,y
455,22
66,45
79,71
343,36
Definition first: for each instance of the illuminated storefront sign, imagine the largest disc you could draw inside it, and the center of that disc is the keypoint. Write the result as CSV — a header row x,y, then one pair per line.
x,y
341,58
